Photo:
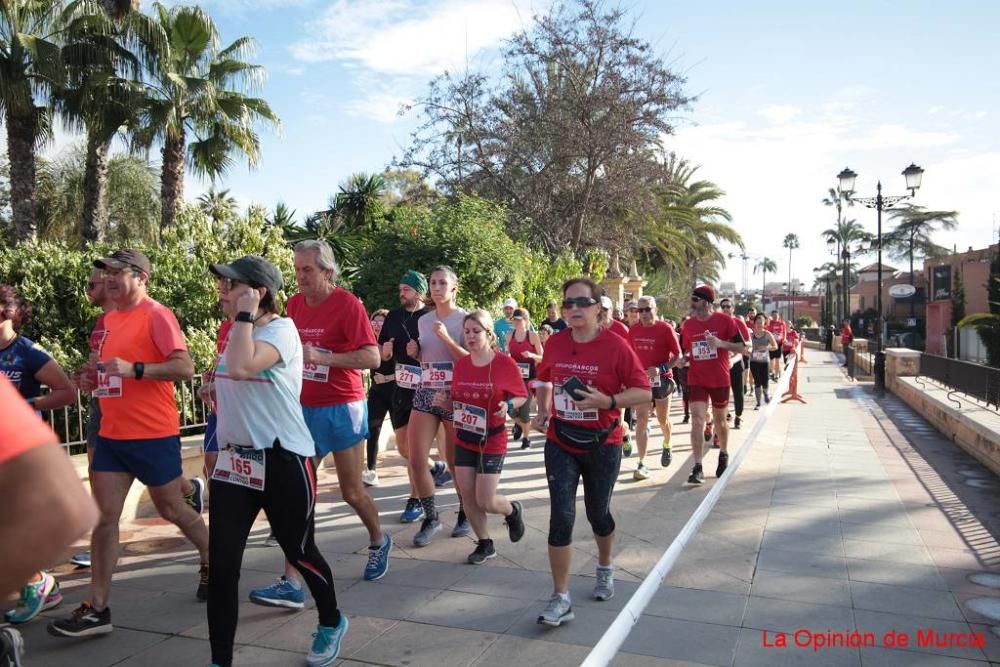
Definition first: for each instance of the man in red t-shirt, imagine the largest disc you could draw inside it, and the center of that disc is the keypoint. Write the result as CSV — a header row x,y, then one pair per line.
x,y
707,338
655,343
337,344
778,329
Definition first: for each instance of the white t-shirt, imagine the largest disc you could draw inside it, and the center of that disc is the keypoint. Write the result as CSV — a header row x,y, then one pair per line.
x,y
258,411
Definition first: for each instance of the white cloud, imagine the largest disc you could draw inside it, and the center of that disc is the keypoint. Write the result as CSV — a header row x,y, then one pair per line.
x,y
779,113
400,37
935,110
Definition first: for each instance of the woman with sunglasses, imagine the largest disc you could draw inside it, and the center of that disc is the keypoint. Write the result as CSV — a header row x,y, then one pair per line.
x,y
525,347
587,376
439,346
485,386
265,461
29,367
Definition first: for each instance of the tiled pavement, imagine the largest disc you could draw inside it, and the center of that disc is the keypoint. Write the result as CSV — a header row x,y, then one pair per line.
x,y
849,513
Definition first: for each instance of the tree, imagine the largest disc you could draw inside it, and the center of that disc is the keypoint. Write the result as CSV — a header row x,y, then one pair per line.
x,y
218,205
826,276
406,187
791,242
197,91
912,235
764,265
988,324
569,137
359,201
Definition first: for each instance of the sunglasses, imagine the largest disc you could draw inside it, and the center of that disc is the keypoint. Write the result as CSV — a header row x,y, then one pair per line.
x,y
228,284
726,306
696,299
645,310
579,302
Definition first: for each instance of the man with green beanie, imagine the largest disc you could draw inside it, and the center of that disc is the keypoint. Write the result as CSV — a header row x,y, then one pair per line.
x,y
399,328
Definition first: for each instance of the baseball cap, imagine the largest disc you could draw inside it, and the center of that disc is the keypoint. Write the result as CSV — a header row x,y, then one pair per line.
x,y
129,257
252,270
518,314
510,303
607,303
632,305
705,293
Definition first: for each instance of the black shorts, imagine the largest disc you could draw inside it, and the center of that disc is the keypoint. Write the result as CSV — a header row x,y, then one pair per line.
x,y
665,390
485,464
774,354
402,403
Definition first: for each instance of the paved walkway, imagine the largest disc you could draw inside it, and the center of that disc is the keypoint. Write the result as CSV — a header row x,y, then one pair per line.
x,y
847,514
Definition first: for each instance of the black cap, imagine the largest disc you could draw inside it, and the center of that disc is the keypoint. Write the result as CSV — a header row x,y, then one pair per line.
x,y
252,270
128,257
518,314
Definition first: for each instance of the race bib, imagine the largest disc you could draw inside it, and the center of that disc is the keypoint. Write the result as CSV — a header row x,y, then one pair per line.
x,y
315,372
656,381
470,418
408,377
525,369
241,466
568,410
108,386
759,355
702,351
436,375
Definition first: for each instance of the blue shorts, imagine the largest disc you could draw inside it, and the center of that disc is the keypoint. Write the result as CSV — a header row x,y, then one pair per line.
x,y
335,428
211,443
154,462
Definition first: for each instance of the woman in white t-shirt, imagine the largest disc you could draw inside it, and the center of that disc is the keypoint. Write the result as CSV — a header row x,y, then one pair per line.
x,y
265,457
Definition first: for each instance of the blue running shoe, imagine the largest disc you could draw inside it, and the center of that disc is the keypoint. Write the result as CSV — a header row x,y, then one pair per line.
x,y
414,511
378,559
81,559
197,498
279,594
326,643
33,598
443,478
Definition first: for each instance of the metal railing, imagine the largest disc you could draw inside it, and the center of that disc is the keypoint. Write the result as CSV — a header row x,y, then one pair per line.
x,y
979,382
70,422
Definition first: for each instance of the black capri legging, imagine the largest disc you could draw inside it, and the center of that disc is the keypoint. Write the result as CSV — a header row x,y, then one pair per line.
x,y
289,499
759,371
379,405
599,470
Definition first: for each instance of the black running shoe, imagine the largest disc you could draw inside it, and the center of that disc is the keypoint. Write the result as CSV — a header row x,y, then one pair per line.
x,y
723,464
484,551
516,433
666,456
525,443
202,593
697,475
515,522
85,621
708,434
736,424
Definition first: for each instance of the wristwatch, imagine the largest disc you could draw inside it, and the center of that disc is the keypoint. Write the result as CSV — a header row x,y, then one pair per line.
x,y
245,316
139,369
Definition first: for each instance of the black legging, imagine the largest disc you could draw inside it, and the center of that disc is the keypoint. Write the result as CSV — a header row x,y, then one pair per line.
x,y
289,499
759,371
736,380
681,375
379,405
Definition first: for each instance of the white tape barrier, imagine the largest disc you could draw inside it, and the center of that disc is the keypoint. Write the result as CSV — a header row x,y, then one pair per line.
x,y
611,642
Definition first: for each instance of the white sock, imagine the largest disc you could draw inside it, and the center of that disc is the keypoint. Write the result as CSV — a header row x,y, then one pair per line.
x,y
606,567
296,584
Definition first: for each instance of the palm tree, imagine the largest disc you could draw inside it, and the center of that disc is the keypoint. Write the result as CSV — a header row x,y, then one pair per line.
x,y
196,91
359,201
219,205
765,264
791,242
845,233
826,275
913,234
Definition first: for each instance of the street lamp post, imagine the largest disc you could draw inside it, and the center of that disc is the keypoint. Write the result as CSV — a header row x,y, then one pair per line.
x,y
913,175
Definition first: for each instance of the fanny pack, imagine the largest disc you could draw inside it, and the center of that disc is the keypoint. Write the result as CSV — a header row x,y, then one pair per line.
x,y
471,439
580,437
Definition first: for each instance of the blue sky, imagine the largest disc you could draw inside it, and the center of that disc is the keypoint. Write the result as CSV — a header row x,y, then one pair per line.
x,y
789,94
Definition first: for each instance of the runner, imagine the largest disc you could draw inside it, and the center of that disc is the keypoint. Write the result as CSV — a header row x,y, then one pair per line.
x,y
525,347
747,375
595,373
556,323
681,373
45,507
544,333
266,461
505,324
337,342
704,336
609,322
485,386
380,393
846,337
400,328
29,367
762,344
143,354
632,314
777,328
791,342
439,346
737,363
656,345
207,390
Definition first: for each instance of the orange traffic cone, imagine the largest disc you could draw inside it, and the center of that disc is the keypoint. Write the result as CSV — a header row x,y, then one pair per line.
x,y
793,387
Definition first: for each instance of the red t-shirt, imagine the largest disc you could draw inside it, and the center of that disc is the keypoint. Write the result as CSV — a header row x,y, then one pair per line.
x,y
618,328
97,335
846,335
339,324
606,363
20,428
709,367
777,329
475,392
655,344
517,349
791,340
742,326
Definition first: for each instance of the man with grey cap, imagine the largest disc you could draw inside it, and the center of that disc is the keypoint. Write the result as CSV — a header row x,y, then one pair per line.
x,y
142,355
505,324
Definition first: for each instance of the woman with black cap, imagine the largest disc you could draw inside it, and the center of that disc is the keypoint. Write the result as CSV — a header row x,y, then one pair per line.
x,y
265,457
525,347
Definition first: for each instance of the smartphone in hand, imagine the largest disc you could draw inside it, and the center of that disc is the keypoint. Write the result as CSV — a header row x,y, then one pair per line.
x,y
573,386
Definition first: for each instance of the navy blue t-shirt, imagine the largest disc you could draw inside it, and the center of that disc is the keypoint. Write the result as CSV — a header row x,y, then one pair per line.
x,y
20,362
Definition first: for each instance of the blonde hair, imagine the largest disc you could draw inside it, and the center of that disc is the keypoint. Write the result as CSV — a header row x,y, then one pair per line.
x,y
485,320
